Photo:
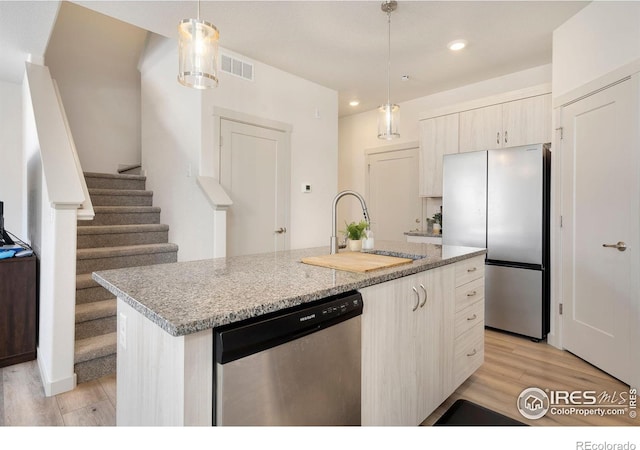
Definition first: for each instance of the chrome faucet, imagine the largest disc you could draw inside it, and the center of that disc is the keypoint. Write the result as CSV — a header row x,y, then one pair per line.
x,y
334,213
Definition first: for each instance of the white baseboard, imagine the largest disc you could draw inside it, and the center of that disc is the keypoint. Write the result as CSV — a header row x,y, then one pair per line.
x,y
55,387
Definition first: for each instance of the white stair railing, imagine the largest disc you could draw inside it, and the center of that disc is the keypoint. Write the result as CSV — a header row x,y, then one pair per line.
x,y
55,185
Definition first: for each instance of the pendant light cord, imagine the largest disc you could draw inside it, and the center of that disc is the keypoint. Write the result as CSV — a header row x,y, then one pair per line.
x,y
389,60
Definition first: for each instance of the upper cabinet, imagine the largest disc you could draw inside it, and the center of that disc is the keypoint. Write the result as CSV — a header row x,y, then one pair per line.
x,y
438,137
519,122
507,121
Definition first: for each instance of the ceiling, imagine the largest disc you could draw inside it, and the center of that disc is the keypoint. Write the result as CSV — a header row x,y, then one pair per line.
x,y
343,44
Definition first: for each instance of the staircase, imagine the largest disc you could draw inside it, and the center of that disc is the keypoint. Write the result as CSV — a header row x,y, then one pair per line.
x,y
125,232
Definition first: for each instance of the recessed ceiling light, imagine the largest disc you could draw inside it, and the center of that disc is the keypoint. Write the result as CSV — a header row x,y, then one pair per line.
x,y
457,45
354,103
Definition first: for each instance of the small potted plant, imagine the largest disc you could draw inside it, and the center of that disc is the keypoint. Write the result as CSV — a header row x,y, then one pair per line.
x,y
355,233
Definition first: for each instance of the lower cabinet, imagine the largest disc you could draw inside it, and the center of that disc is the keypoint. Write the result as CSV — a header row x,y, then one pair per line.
x,y
414,353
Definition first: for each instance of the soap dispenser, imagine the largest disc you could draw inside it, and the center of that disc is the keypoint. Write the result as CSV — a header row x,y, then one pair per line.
x,y
367,243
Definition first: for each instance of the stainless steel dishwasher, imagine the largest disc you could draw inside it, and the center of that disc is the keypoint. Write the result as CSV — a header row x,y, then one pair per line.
x,y
299,366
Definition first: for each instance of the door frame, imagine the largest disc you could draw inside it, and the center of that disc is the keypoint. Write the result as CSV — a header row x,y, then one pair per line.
x,y
387,149
384,149
630,71
210,161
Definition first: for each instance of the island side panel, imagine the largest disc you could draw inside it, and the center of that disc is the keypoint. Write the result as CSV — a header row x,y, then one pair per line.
x,y
162,380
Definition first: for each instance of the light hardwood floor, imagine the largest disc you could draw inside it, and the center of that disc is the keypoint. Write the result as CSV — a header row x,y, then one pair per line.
x,y
23,403
511,364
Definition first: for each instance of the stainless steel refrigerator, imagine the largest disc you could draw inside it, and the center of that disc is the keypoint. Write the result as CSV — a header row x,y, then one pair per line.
x,y
499,199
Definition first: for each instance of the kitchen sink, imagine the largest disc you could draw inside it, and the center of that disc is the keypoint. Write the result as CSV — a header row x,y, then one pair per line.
x,y
396,254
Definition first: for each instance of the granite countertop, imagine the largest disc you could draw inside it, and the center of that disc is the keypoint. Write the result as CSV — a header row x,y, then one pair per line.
x,y
187,297
422,233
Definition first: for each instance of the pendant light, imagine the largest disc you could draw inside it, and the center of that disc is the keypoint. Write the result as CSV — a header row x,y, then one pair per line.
x,y
197,53
388,114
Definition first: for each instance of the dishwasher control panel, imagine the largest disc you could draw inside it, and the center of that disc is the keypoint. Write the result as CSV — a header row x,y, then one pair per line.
x,y
238,339
341,307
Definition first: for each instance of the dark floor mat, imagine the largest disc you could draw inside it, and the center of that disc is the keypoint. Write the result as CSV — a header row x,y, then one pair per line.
x,y
465,413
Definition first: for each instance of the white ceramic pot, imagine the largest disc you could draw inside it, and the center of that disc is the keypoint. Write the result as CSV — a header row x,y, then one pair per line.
x,y
354,246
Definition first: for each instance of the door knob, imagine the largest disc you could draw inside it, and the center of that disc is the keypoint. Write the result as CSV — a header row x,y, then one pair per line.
x,y
281,230
621,246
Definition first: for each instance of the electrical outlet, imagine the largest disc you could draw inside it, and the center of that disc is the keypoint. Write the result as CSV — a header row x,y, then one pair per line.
x,y
122,331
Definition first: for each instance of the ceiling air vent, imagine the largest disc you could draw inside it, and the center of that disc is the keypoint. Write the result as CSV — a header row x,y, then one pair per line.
x,y
236,67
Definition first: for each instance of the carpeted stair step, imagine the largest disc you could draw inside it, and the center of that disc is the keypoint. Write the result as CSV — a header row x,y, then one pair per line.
x,y
114,181
117,235
94,259
88,290
95,357
120,197
95,318
123,215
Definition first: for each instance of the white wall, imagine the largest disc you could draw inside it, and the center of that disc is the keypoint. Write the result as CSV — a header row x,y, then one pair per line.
x,y
597,40
177,121
94,59
597,46
12,186
359,131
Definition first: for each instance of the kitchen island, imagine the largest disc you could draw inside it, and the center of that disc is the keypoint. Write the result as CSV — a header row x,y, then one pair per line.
x,y
166,314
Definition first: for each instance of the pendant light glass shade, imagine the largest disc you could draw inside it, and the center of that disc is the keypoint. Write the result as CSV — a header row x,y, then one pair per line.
x,y
388,114
197,54
388,118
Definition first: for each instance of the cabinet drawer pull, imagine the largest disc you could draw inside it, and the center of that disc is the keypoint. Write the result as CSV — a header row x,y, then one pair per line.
x,y
473,353
506,137
498,138
471,294
425,295
474,317
417,298
472,269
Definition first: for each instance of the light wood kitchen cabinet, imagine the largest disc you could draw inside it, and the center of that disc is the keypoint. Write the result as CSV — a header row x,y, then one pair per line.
x,y
510,124
438,137
404,368
480,129
467,349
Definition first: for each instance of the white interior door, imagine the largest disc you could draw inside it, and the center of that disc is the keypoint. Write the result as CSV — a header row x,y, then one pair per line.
x,y
392,193
600,198
255,172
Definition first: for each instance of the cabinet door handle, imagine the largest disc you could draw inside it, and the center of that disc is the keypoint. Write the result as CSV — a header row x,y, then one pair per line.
x,y
473,353
281,230
498,138
474,317
506,137
417,298
425,295
473,269
471,294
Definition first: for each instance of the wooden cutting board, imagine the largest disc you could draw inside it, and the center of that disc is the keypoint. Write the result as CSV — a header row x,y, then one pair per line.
x,y
356,261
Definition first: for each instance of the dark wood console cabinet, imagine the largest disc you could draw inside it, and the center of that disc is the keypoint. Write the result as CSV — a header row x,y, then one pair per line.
x,y
18,310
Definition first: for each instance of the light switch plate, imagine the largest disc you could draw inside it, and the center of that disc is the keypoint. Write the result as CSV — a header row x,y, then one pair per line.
x,y
306,188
